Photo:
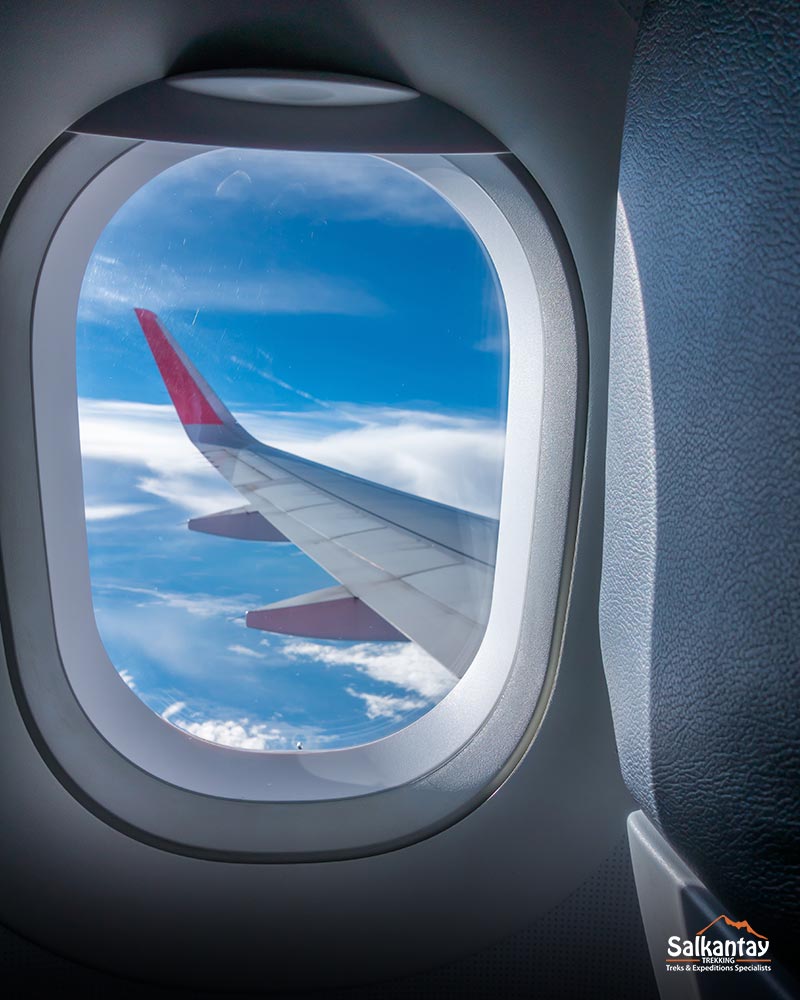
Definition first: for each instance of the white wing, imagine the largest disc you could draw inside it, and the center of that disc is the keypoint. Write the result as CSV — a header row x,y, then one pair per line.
x,y
407,567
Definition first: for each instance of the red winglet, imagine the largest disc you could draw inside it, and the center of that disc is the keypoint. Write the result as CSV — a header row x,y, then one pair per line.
x,y
190,404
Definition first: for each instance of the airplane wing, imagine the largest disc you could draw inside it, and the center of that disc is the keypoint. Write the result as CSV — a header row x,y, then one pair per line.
x,y
408,568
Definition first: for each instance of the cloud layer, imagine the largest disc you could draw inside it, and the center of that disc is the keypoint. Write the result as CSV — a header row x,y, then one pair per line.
x,y
248,193
403,664
343,186
113,285
387,706
455,460
111,511
200,605
240,733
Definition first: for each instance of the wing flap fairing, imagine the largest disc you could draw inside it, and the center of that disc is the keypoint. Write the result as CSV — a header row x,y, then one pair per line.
x,y
332,613
245,523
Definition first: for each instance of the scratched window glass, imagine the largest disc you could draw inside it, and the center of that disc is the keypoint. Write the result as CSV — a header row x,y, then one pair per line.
x,y
292,378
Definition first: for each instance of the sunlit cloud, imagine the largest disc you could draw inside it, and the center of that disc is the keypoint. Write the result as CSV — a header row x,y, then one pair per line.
x,y
200,605
242,733
127,676
151,438
286,184
458,464
454,460
493,344
173,709
111,511
246,651
386,706
195,494
402,664
114,286
188,639
277,186
233,733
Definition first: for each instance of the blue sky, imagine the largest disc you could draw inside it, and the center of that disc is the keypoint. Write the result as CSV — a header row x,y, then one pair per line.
x,y
344,311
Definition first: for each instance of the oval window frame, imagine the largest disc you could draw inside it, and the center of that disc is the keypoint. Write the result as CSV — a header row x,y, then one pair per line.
x,y
363,818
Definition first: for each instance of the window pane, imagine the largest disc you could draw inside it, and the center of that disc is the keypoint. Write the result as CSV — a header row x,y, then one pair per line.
x,y
346,314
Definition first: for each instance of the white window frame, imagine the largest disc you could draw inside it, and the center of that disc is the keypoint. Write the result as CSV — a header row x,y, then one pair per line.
x,y
160,783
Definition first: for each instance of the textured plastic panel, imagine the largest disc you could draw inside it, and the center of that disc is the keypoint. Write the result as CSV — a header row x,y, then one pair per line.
x,y
700,612
590,945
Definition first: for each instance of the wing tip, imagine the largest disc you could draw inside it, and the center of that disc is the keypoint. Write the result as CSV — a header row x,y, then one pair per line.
x,y
182,381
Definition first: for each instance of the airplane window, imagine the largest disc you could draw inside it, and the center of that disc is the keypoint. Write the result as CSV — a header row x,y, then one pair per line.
x,y
292,377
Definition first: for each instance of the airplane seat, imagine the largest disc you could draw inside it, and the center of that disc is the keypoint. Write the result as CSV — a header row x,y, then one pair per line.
x,y
700,600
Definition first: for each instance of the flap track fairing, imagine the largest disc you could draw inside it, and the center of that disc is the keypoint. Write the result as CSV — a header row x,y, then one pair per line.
x,y
332,613
245,522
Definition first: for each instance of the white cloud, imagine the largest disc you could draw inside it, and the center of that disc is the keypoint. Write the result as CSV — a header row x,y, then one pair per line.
x,y
246,651
112,285
492,343
286,184
127,676
196,494
386,706
185,639
240,733
319,188
173,709
109,511
400,663
459,463
455,460
200,605
150,437
234,733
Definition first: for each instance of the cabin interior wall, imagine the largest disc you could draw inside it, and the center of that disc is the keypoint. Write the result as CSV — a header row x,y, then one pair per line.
x,y
550,81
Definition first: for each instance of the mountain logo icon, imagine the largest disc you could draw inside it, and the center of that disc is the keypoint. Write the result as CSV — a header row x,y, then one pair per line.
x,y
739,925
